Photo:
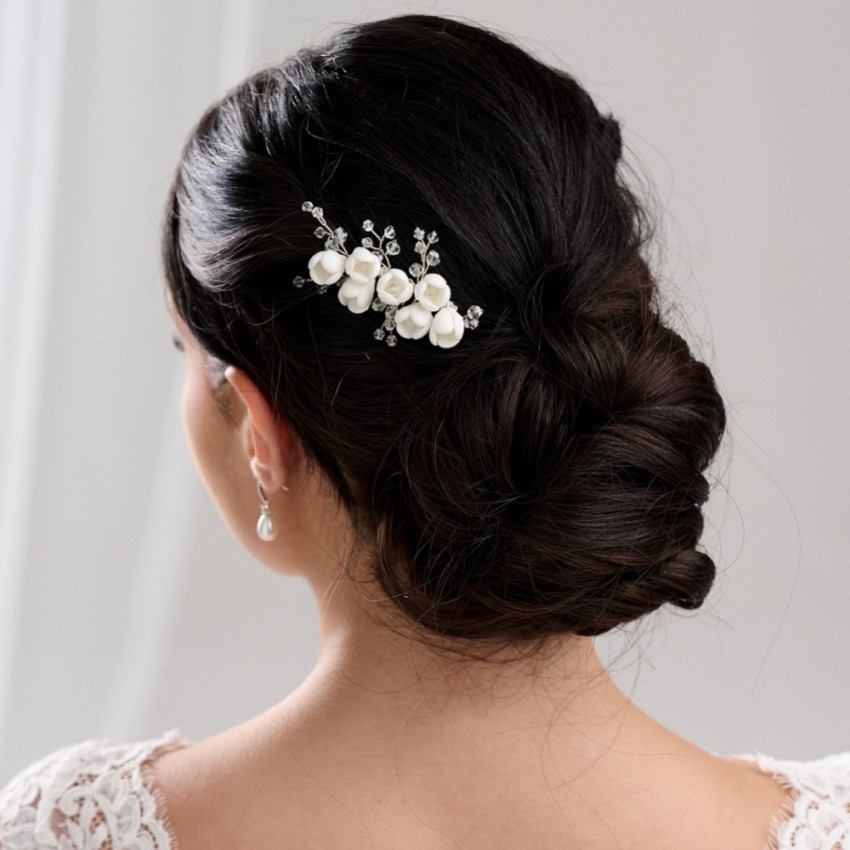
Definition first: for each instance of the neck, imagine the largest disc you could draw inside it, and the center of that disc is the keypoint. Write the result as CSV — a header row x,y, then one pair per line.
x,y
373,662
389,730
384,716
367,670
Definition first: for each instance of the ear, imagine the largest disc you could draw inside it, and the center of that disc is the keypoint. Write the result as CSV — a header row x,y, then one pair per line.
x,y
270,444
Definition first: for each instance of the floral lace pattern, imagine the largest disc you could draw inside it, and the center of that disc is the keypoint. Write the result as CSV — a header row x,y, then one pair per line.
x,y
817,814
92,796
100,796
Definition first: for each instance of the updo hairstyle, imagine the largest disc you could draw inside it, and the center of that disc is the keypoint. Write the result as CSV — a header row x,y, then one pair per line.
x,y
546,475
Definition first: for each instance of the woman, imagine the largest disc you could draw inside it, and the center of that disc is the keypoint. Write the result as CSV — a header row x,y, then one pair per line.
x,y
427,370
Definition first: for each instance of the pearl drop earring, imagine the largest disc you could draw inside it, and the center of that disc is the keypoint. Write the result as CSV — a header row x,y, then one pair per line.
x,y
266,526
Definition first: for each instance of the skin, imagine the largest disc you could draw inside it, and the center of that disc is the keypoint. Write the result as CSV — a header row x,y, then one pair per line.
x,y
391,744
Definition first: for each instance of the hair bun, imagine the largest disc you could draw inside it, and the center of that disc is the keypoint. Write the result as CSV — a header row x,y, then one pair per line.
x,y
574,481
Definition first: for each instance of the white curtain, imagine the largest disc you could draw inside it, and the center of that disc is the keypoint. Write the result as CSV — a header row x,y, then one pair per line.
x,y
124,606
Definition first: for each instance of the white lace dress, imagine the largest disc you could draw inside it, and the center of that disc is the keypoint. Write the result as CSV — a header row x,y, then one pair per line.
x,y
101,796
92,796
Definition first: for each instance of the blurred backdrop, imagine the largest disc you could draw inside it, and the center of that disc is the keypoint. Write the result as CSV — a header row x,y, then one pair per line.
x,y
125,609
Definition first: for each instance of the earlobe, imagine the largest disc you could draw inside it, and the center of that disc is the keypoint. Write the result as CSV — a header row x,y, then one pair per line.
x,y
268,441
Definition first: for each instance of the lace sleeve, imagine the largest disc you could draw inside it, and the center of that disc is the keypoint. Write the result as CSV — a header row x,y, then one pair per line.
x,y
92,796
817,814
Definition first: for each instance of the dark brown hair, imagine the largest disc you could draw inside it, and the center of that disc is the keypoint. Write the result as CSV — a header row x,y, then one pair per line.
x,y
546,475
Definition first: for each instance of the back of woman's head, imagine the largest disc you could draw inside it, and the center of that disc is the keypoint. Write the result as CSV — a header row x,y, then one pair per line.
x,y
545,475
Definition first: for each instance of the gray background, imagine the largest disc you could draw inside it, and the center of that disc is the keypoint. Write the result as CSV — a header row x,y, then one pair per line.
x,y
124,607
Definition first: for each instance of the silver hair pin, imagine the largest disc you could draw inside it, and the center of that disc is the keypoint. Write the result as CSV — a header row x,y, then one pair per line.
x,y
415,303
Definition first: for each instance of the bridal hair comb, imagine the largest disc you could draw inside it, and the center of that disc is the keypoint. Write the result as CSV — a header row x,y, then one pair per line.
x,y
414,303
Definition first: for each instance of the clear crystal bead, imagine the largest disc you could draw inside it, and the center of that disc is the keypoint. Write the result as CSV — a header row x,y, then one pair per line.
x,y
307,206
469,322
379,334
378,305
393,248
392,339
432,236
319,232
433,258
389,323
419,247
392,309
389,233
323,288
419,233
367,242
299,281
368,225
416,270
475,312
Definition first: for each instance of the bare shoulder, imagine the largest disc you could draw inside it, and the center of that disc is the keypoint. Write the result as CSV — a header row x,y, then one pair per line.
x,y
225,792
239,790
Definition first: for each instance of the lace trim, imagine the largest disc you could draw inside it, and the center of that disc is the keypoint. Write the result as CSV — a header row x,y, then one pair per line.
x,y
161,807
816,813
92,796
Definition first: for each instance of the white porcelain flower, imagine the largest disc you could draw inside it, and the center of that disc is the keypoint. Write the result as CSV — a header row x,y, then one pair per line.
x,y
356,295
432,292
394,287
413,303
326,267
362,265
447,328
413,321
